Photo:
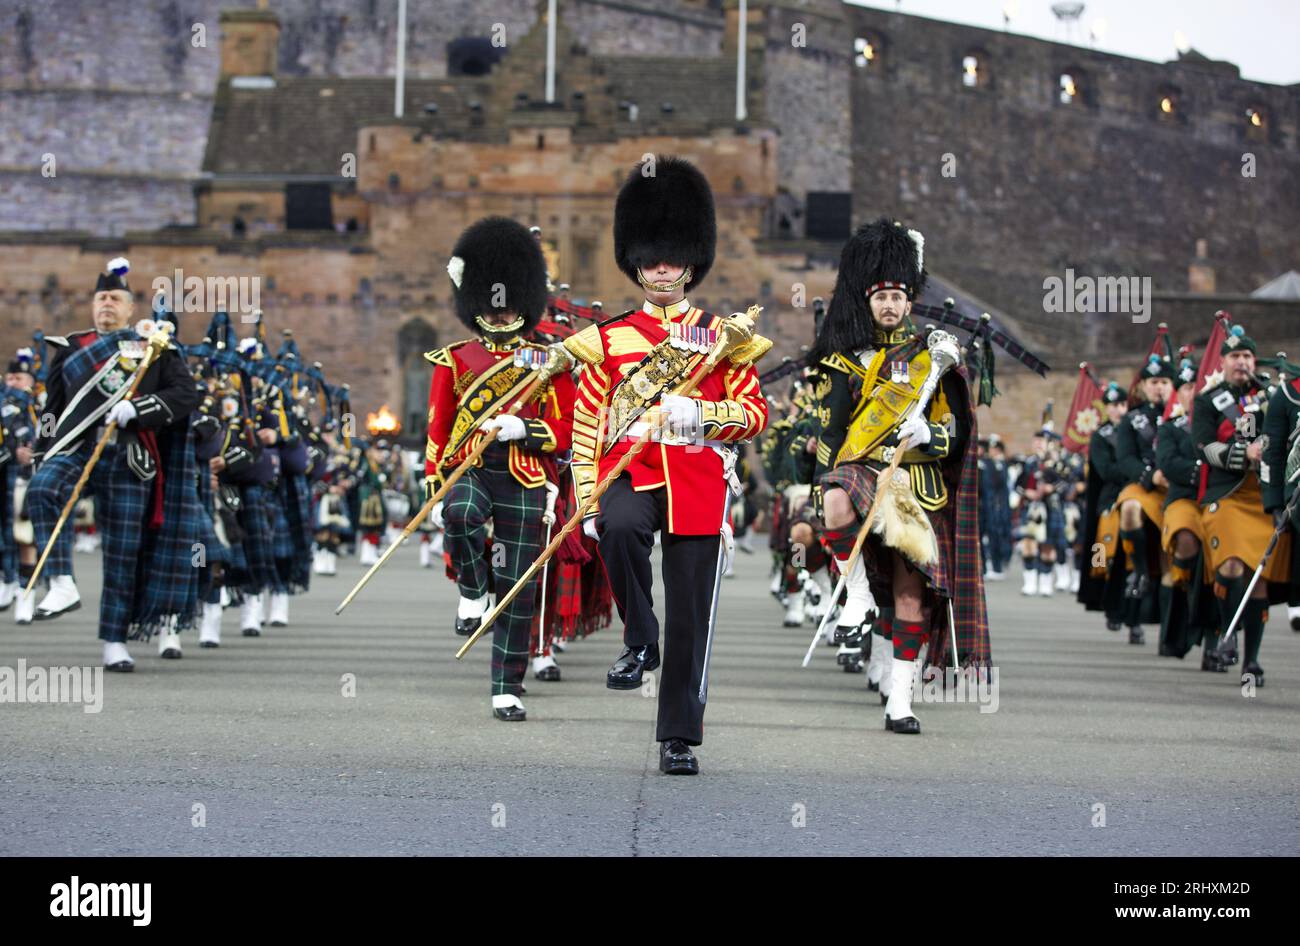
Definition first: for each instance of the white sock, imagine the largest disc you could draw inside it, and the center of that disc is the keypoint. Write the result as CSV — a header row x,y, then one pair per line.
x,y
470,608
115,652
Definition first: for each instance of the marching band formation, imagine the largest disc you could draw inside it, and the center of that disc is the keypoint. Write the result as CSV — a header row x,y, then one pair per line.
x,y
559,457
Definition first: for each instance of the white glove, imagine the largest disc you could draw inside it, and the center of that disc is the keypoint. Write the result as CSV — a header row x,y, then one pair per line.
x,y
122,413
589,528
435,515
507,426
681,414
916,430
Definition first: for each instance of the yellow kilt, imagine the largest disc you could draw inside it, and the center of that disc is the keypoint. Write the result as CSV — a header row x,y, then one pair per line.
x,y
1107,536
1179,515
1152,500
1238,527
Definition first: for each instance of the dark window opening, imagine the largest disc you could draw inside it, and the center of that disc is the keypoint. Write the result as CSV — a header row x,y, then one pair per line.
x,y
472,56
307,207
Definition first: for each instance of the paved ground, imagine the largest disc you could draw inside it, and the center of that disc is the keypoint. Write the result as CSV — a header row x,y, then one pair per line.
x,y
260,734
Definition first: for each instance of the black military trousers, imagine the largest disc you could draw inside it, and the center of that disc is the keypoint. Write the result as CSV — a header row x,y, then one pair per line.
x,y
627,524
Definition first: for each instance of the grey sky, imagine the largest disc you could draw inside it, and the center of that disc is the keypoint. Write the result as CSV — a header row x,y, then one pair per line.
x,y
1262,37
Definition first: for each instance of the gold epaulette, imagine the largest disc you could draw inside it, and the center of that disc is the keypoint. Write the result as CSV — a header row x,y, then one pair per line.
x,y
442,356
586,345
750,351
838,362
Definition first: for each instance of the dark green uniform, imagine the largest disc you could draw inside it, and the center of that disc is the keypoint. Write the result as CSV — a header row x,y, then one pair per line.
x,y
1282,427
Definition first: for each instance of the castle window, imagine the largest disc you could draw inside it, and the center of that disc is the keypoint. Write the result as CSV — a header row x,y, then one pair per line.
x,y
867,52
1069,88
1256,123
1168,101
472,56
974,70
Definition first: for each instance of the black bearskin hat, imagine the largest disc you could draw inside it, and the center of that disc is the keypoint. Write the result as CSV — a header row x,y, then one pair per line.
x,y
880,255
493,254
114,275
666,216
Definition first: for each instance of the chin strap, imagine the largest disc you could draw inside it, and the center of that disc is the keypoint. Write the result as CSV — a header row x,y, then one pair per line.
x,y
673,286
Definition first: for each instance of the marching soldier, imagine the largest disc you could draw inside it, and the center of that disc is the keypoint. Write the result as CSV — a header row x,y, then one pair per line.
x,y
1141,502
1101,586
1282,456
1227,428
927,556
1184,615
664,240
18,428
143,483
498,276
995,510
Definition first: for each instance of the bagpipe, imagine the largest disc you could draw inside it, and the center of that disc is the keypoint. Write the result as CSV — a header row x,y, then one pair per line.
x,y
984,335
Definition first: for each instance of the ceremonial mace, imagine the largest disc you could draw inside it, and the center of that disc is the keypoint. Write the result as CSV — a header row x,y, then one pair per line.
x,y
558,361
548,517
944,354
157,343
741,329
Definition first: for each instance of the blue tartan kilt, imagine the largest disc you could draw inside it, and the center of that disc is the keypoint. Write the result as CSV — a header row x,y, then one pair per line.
x,y
1056,526
8,544
216,551
256,572
281,540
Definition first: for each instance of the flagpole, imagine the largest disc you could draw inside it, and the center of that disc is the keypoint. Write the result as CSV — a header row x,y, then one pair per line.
x,y
399,96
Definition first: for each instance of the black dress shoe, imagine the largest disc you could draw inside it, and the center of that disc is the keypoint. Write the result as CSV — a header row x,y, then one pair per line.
x,y
122,666
1113,625
208,644
1211,663
1253,669
1136,636
551,674
873,687
252,632
1295,623
634,661
676,758
510,714
908,725
171,653
854,664
467,626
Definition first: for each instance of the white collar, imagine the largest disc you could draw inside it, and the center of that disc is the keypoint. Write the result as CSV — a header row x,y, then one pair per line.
x,y
668,311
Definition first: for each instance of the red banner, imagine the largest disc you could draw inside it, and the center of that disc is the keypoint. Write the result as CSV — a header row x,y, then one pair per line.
x,y
1086,412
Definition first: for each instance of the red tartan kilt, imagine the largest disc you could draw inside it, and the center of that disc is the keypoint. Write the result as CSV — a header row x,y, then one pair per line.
x,y
859,481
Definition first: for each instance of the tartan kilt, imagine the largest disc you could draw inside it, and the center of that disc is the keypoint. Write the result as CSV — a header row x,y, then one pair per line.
x,y
296,502
8,544
253,571
215,551
281,543
858,480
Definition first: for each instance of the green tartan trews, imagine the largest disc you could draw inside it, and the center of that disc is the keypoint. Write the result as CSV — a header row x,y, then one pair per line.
x,y
515,512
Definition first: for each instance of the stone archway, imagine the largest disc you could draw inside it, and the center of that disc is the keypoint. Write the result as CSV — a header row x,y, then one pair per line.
x,y
414,339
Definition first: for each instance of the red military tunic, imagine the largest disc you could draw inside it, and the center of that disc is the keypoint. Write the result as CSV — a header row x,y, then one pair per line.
x,y
463,378
732,409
